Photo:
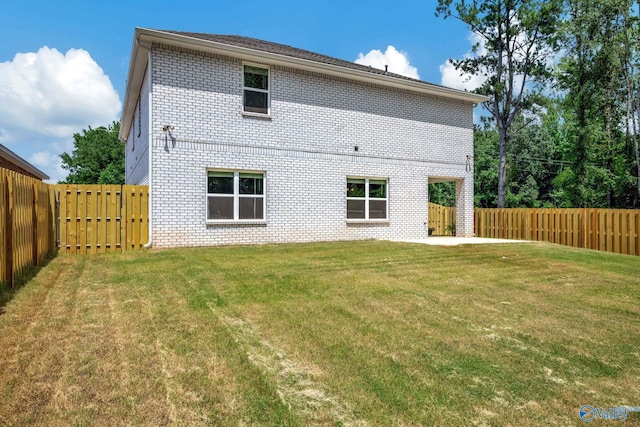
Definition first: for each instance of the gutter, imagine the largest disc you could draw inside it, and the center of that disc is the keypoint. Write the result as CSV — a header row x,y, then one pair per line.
x,y
135,80
150,150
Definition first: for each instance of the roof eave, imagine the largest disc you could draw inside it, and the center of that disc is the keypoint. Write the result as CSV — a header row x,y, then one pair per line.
x,y
23,164
137,66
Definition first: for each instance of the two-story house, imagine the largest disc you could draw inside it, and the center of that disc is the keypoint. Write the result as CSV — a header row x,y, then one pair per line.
x,y
246,141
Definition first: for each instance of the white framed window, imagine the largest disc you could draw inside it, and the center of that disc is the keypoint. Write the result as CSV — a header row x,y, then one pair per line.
x,y
367,199
235,196
255,89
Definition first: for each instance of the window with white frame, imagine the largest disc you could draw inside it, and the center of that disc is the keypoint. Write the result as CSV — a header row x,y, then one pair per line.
x,y
256,89
235,196
366,198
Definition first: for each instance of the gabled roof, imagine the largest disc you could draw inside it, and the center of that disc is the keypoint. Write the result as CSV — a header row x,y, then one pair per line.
x,y
12,157
284,50
247,48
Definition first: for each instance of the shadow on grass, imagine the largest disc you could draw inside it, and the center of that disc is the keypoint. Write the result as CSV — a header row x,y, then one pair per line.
x,y
7,292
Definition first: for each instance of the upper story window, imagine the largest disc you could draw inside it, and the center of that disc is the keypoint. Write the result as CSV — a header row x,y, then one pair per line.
x,y
366,199
256,89
235,196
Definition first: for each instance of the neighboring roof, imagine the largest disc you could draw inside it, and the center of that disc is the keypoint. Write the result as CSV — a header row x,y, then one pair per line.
x,y
253,49
13,158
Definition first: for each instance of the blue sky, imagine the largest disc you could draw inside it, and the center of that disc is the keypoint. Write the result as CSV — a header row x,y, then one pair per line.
x,y
48,94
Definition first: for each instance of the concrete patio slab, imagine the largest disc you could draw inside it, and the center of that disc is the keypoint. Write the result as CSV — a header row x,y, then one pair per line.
x,y
454,241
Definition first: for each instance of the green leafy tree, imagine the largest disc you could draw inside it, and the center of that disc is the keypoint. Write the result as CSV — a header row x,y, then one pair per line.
x,y
97,158
534,159
443,193
485,166
598,78
518,38
631,67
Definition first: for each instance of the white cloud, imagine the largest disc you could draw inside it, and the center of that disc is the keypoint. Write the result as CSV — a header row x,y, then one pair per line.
x,y
464,81
49,161
47,96
398,62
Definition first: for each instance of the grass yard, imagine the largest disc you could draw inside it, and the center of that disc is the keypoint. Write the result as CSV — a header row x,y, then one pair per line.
x,y
365,333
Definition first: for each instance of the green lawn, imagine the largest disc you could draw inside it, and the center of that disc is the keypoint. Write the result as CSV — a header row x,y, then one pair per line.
x,y
365,333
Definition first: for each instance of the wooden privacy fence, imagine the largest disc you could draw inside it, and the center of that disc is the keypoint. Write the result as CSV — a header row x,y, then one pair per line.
x,y
102,218
441,219
27,223
36,218
613,230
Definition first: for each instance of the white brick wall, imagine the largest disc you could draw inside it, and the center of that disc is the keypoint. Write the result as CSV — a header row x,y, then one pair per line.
x,y
137,149
306,150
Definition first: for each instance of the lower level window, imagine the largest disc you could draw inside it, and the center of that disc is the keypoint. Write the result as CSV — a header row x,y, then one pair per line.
x,y
235,196
366,198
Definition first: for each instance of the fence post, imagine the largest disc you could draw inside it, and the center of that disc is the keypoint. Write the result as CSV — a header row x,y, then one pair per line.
x,y
9,230
125,228
3,223
54,218
34,220
65,222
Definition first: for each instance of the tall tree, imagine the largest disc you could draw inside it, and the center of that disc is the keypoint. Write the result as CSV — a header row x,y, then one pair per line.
x,y
518,39
534,159
631,61
597,78
485,165
97,157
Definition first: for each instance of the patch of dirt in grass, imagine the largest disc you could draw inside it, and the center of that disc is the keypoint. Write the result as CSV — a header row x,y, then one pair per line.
x,y
549,373
297,385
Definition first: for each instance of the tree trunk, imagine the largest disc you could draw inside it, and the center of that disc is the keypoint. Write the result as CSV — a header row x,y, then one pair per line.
x,y
635,129
502,167
635,140
607,127
632,129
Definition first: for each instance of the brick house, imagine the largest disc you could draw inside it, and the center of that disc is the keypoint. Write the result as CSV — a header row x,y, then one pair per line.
x,y
245,141
10,160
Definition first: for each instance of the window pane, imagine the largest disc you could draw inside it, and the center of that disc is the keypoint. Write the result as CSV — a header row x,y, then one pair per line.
x,y
251,208
378,189
220,208
256,77
355,187
355,209
251,183
219,173
377,209
255,102
220,182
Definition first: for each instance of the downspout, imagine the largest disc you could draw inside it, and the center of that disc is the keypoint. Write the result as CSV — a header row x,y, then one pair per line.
x,y
150,148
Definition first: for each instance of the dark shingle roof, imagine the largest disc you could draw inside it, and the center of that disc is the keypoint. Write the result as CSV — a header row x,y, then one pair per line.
x,y
281,49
